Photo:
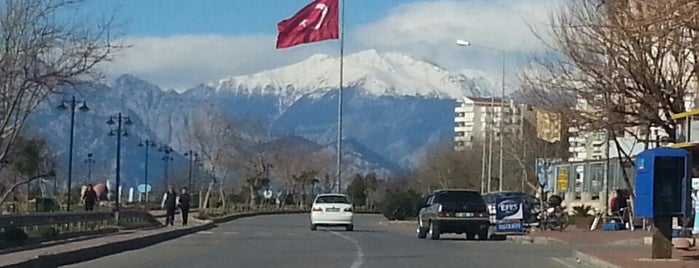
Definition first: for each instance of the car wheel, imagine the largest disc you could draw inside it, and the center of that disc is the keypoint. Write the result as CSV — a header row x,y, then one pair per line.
x,y
470,236
349,228
434,231
421,231
483,235
314,227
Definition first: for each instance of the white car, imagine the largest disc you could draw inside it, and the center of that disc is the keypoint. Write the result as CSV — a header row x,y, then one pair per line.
x,y
332,210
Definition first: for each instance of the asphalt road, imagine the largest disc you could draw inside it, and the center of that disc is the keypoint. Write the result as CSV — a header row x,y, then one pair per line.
x,y
286,241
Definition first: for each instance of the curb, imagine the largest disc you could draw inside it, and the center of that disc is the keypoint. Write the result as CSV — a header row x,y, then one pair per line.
x,y
90,253
253,214
592,260
66,238
538,240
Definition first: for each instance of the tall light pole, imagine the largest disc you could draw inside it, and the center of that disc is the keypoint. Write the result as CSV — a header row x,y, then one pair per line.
x,y
502,108
72,104
146,144
193,156
89,161
166,150
121,122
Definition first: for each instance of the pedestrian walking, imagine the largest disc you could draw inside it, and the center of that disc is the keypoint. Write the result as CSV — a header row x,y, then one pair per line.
x,y
184,201
169,204
89,198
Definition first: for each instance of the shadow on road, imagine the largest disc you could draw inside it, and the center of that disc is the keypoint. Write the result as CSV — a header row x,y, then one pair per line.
x,y
492,238
355,231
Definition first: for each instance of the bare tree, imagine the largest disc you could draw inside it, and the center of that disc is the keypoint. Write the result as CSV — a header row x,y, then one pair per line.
x,y
220,146
40,53
619,67
297,166
443,167
524,147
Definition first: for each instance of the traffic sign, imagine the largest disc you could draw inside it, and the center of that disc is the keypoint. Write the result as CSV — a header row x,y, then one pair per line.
x,y
268,193
142,188
563,180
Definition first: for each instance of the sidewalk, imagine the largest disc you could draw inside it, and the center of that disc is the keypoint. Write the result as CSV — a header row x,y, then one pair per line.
x,y
82,250
618,248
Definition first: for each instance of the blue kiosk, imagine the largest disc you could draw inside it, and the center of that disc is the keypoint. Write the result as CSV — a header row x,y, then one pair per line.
x,y
663,185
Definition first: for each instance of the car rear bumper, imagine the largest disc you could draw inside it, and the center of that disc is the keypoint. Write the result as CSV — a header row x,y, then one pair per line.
x,y
325,218
456,225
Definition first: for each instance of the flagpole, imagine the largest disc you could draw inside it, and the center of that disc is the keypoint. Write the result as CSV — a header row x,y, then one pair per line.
x,y
339,98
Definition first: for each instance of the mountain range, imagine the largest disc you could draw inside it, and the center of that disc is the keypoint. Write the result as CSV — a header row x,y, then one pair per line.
x,y
394,106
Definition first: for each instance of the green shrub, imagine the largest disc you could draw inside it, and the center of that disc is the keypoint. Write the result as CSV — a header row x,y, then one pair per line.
x,y
48,232
14,236
399,204
582,211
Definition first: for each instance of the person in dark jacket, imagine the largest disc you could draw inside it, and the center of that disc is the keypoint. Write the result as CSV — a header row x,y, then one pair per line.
x,y
170,205
184,203
89,198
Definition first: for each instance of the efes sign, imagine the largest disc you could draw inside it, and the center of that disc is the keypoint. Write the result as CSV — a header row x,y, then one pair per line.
x,y
509,209
509,215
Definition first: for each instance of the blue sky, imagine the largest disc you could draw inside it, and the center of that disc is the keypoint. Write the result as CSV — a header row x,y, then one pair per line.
x,y
178,44
226,17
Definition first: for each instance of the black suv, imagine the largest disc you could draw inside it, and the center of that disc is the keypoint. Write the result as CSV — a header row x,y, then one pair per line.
x,y
453,211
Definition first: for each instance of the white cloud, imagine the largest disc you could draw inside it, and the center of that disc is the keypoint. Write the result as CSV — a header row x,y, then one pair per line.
x,y
426,29
182,62
500,24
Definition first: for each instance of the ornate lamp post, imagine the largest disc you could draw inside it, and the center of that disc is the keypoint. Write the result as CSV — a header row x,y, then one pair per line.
x,y
166,150
146,144
89,161
120,121
65,105
193,157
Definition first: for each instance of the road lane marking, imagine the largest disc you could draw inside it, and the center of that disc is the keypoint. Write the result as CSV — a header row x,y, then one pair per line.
x,y
359,253
230,233
206,232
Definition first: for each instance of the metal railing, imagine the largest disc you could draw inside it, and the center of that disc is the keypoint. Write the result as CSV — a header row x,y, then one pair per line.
x,y
71,221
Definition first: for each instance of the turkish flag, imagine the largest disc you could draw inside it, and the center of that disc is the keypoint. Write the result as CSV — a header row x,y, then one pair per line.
x,y
317,21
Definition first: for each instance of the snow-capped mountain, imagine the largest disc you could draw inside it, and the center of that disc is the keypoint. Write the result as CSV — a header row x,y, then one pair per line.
x,y
377,74
394,106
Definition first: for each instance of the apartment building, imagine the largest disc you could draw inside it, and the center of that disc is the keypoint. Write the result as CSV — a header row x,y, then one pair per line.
x,y
477,118
548,125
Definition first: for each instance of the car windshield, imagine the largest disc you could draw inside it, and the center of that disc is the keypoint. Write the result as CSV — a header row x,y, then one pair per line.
x,y
459,197
332,199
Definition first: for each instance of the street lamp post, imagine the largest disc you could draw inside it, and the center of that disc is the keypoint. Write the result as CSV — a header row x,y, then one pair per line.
x,y
89,161
502,108
166,150
193,156
121,122
71,104
146,144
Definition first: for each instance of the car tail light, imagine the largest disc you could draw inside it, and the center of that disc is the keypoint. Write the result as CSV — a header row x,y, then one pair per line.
x,y
317,209
348,209
446,214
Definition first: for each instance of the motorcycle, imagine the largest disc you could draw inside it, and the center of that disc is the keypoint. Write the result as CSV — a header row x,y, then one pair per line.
x,y
554,218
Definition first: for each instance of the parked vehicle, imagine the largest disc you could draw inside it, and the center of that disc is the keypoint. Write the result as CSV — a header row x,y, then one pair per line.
x,y
531,205
554,216
453,211
332,210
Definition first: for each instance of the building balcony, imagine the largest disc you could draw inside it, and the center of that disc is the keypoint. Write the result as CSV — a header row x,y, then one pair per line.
x,y
463,129
462,138
463,109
